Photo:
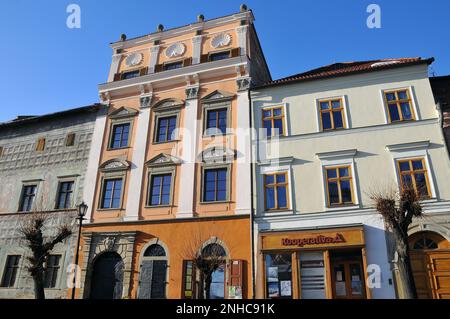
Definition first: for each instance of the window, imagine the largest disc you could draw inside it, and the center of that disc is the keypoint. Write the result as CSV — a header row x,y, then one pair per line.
x,y
339,185
189,276
112,193
119,136
40,145
215,184
425,243
51,271
216,121
331,114
275,190
399,105
70,139
131,74
173,65
273,120
278,276
160,189
65,193
28,195
413,173
219,56
165,128
153,273
10,272
1,150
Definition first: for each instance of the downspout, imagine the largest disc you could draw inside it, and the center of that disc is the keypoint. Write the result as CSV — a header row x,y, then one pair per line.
x,y
252,208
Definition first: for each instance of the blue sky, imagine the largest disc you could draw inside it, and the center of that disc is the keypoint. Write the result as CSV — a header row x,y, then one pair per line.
x,y
48,67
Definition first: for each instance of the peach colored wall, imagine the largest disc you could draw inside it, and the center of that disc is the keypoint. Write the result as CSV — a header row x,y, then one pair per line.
x,y
178,237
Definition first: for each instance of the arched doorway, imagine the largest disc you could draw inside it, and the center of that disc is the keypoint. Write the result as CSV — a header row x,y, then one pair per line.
x,y
214,284
430,260
153,273
107,277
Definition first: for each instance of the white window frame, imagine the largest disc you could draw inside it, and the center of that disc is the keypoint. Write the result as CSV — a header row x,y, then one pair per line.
x,y
339,158
413,102
345,107
279,165
285,122
405,151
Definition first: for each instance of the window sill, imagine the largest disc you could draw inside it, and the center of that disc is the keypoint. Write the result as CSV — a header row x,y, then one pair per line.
x,y
278,212
166,142
342,207
109,209
217,135
118,148
217,202
158,206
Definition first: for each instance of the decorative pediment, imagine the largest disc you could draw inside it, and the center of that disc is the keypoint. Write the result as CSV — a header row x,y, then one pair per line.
x,y
217,154
123,112
163,160
218,96
114,164
168,104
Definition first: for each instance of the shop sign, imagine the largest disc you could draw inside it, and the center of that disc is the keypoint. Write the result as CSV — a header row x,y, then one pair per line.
x,y
317,240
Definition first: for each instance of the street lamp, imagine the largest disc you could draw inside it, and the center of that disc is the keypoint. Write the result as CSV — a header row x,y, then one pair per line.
x,y
82,208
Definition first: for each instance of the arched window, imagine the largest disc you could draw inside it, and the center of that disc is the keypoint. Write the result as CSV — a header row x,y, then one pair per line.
x,y
153,273
425,243
214,250
155,250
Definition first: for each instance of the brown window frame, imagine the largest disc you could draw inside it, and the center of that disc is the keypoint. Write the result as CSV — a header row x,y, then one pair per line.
x,y
331,110
275,186
338,179
14,269
40,144
411,173
398,102
272,118
70,139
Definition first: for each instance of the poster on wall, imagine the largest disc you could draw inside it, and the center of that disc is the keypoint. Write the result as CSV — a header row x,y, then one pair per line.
x,y
272,274
312,274
286,288
234,292
273,290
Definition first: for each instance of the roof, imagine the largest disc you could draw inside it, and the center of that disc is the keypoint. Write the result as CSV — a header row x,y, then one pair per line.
x,y
441,90
27,119
348,68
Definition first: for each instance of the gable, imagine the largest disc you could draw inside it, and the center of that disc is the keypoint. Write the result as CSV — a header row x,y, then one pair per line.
x,y
218,96
123,112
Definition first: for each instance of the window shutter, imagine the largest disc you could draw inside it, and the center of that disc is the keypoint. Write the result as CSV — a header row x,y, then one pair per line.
x,y
189,275
143,71
235,52
40,146
117,76
204,58
158,68
187,62
70,140
235,274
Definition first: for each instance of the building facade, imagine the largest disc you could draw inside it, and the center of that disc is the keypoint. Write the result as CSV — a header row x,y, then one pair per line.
x,y
170,177
43,162
326,140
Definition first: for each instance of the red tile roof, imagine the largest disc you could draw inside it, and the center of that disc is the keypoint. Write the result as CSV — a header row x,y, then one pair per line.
x,y
348,68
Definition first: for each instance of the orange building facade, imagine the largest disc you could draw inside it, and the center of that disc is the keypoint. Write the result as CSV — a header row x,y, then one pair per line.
x,y
169,173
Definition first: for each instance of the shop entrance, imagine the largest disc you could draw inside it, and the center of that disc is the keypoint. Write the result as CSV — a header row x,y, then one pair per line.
x,y
347,275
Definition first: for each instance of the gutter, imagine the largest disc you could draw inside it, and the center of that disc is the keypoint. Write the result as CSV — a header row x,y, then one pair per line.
x,y
252,208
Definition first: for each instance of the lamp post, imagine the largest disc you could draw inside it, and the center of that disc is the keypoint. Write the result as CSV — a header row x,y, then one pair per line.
x,y
82,208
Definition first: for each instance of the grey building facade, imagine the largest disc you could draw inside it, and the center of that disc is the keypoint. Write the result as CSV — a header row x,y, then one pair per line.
x,y
43,160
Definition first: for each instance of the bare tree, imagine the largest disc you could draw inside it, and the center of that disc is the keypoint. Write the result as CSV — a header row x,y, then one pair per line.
x,y
32,228
205,258
399,208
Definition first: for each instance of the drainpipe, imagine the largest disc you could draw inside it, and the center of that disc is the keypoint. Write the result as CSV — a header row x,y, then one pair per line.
x,y
252,208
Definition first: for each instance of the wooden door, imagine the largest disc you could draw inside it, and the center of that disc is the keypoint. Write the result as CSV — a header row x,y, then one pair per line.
x,y
439,265
348,280
107,277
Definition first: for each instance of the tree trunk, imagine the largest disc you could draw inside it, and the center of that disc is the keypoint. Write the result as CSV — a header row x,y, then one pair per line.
x,y
404,267
208,279
39,292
